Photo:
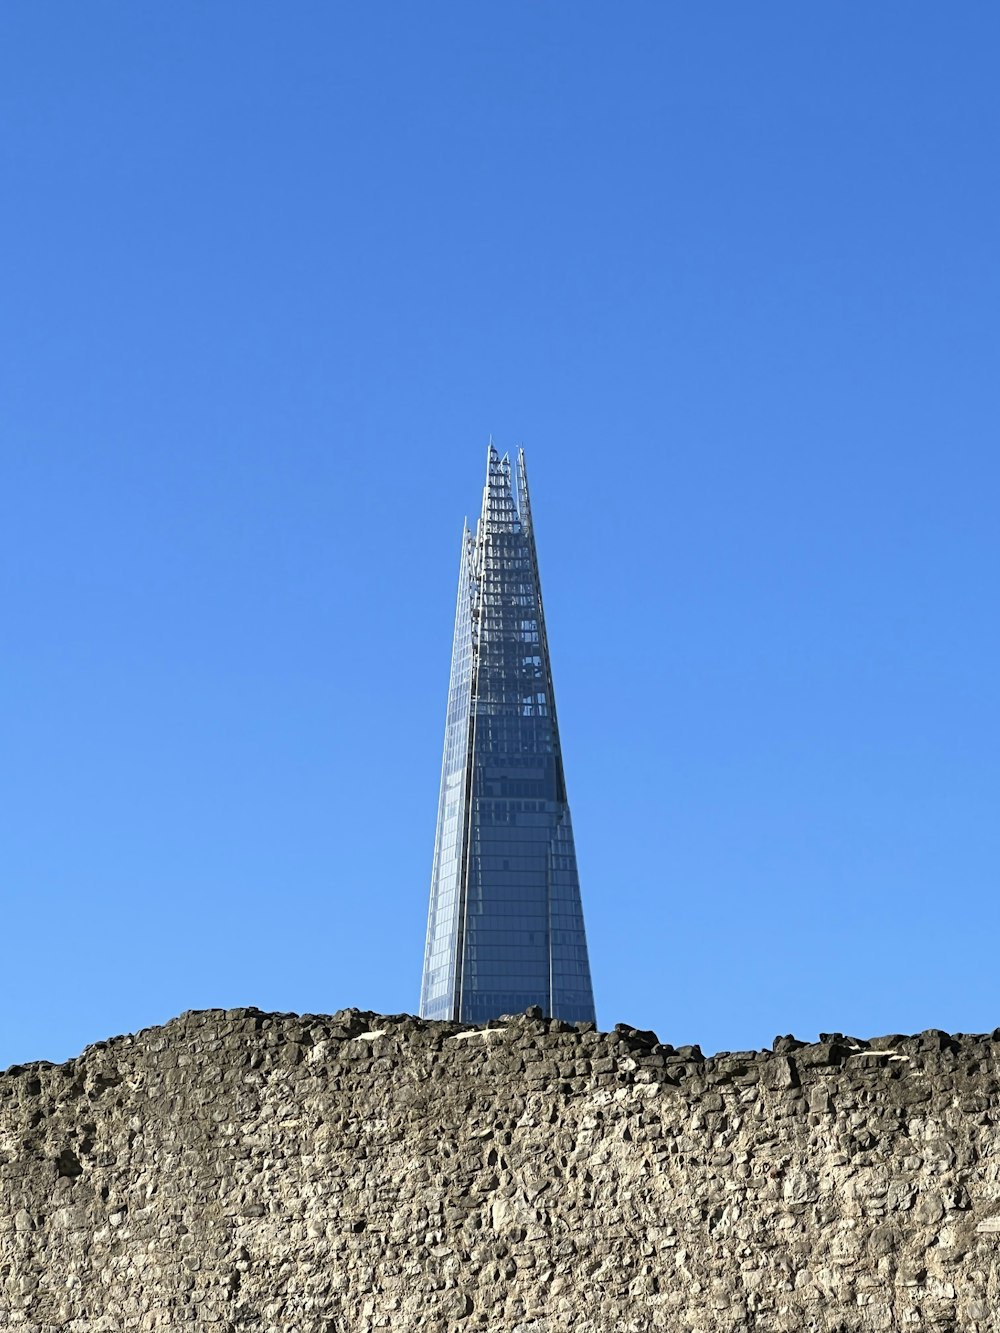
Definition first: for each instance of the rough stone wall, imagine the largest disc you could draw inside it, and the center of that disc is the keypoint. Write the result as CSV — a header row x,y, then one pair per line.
x,y
244,1171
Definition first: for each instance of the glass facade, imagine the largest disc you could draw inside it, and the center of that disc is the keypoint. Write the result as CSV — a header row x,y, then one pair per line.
x,y
505,925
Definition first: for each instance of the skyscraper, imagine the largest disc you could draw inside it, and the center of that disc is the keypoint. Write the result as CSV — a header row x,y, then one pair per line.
x,y
505,925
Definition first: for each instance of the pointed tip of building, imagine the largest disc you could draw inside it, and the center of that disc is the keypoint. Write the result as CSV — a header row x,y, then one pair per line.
x,y
495,462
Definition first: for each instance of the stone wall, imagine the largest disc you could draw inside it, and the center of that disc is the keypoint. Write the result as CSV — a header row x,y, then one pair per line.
x,y
245,1171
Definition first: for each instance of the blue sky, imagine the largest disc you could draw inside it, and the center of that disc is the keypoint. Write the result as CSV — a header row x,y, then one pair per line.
x,y
272,275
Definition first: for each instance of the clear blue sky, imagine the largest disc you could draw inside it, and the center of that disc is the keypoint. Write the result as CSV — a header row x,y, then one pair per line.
x,y
272,274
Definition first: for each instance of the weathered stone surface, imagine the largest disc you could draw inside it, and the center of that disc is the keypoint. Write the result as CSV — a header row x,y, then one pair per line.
x,y
241,1171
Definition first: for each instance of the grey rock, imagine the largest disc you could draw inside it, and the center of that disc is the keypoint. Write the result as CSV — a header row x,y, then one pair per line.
x,y
237,1171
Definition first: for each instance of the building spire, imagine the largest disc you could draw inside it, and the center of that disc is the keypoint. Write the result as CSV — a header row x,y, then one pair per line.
x,y
505,924
499,508
523,498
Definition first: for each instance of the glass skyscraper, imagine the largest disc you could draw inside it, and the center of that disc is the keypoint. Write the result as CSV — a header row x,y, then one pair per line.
x,y
505,925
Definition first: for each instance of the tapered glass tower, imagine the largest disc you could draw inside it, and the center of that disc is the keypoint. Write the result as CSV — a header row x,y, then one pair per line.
x,y
505,926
